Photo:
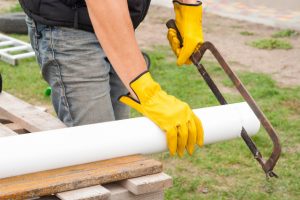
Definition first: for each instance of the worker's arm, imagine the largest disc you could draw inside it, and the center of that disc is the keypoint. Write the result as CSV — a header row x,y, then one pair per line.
x,y
113,27
188,19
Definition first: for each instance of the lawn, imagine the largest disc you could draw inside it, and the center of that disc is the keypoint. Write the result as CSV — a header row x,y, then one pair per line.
x,y
220,171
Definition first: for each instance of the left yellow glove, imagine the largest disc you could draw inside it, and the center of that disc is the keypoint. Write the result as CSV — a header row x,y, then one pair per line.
x,y
182,127
188,18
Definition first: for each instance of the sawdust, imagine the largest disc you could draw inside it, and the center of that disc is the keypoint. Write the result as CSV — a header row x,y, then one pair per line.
x,y
282,65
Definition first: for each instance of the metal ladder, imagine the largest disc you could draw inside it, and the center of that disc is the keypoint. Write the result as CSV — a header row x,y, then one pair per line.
x,y
11,54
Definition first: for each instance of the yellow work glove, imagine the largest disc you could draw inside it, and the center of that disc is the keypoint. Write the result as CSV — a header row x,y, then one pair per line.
x,y
183,129
188,18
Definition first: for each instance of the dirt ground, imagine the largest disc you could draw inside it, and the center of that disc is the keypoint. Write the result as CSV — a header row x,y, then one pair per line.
x,y
6,4
283,65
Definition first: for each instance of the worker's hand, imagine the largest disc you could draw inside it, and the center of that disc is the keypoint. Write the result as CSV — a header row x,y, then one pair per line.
x,y
188,18
183,129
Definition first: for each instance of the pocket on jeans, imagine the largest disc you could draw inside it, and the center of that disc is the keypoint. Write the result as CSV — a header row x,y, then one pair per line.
x,y
29,22
33,35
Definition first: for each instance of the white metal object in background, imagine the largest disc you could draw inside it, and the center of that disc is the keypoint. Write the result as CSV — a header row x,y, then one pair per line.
x,y
14,45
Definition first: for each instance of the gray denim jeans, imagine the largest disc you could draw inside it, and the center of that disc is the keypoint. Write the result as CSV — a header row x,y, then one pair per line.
x,y
85,87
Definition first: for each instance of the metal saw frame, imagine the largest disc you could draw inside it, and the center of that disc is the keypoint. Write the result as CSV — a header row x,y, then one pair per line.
x,y
267,165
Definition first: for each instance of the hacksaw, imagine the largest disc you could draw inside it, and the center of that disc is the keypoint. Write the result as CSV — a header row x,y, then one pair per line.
x,y
267,165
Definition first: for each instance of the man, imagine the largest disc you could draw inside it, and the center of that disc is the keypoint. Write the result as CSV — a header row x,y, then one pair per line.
x,y
88,54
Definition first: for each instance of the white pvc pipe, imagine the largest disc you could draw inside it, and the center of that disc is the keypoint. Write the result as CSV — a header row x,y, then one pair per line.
x,y
53,149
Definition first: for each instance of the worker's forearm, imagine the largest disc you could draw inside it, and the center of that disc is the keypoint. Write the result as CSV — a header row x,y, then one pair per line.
x,y
114,29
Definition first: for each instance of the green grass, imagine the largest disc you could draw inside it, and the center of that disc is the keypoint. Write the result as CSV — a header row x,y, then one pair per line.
x,y
25,80
219,171
285,33
15,8
246,33
227,170
271,44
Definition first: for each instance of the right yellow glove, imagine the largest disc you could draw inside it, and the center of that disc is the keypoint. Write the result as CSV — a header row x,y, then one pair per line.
x,y
188,19
183,129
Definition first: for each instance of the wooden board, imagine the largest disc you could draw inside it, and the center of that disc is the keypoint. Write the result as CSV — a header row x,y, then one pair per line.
x,y
15,127
26,115
95,192
120,193
148,184
75,177
77,182
5,131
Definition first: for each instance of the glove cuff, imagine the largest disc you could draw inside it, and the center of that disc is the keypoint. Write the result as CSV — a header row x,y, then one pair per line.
x,y
144,86
199,3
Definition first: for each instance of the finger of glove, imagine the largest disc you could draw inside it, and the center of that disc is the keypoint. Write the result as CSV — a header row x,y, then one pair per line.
x,y
200,131
185,53
172,140
174,41
182,138
192,138
130,102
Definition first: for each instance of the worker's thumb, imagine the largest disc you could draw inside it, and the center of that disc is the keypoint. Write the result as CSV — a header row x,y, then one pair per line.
x,y
131,102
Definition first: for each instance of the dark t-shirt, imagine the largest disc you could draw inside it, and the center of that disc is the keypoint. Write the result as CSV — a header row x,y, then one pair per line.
x,y
73,13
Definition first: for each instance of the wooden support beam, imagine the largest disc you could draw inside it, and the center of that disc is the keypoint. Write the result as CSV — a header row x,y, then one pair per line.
x,y
5,131
148,184
4,120
138,186
16,128
120,193
75,182
95,192
76,177
26,115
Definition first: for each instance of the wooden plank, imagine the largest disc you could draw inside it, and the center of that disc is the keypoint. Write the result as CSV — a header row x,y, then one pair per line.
x,y
5,131
26,115
4,120
75,177
15,127
141,185
120,193
95,192
35,126
148,184
50,197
